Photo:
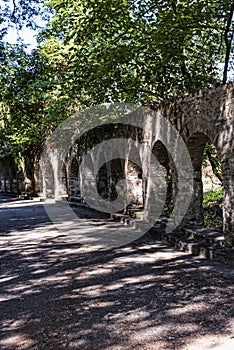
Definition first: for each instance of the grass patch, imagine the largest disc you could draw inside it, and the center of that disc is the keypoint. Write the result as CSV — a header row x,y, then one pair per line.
x,y
212,208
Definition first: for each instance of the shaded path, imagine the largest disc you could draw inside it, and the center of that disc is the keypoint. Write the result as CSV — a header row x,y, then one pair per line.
x,y
57,294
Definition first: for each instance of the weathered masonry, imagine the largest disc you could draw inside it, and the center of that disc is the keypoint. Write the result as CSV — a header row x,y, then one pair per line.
x,y
205,116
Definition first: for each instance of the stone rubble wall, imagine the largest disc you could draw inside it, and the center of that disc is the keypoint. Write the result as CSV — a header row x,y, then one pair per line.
x,y
199,117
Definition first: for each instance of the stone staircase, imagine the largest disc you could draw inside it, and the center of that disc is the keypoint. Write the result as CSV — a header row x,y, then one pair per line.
x,y
197,240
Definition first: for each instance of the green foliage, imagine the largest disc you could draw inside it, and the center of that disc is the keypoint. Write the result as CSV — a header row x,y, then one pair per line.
x,y
212,199
212,209
212,196
21,13
135,51
210,157
95,51
28,112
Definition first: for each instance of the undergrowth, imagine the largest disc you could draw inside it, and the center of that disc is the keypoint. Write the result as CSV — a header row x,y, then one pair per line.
x,y
212,208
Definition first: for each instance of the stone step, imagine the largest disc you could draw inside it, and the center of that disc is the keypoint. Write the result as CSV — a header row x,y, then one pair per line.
x,y
196,240
136,213
200,248
122,218
198,233
25,197
204,235
75,199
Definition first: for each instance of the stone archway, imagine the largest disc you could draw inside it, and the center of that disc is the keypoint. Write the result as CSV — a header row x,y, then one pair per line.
x,y
207,114
103,178
86,178
212,188
170,174
134,177
196,144
74,188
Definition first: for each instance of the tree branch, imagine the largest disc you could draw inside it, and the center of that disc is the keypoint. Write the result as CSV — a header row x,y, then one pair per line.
x,y
14,11
228,43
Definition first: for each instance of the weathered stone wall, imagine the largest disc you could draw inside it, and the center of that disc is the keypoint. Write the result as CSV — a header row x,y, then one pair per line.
x,y
206,115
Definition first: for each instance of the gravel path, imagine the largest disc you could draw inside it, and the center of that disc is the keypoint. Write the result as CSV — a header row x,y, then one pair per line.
x,y
58,294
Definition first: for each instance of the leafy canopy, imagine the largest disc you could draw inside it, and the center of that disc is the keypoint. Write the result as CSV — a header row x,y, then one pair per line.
x,y
95,51
135,50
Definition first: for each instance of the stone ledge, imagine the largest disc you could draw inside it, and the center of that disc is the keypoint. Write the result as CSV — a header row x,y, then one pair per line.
x,y
196,240
195,246
205,235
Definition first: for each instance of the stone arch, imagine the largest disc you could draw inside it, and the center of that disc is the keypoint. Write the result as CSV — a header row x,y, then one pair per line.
x,y
198,126
116,172
74,177
64,179
196,144
48,179
112,171
103,178
134,177
168,169
86,177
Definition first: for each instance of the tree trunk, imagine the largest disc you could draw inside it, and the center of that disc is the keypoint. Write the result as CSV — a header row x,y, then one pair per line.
x,y
228,42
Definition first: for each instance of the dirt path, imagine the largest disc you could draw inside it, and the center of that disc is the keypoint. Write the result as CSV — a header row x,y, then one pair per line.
x,y
58,294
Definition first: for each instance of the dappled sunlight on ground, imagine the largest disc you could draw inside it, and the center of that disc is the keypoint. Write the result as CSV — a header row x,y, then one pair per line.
x,y
58,294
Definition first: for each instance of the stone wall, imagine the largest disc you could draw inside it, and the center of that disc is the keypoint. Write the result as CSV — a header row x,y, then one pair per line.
x,y
206,115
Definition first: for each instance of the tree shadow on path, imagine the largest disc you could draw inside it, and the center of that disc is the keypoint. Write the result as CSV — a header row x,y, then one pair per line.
x,y
57,294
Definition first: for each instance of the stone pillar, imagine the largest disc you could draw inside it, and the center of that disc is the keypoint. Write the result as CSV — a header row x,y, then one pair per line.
x,y
36,180
145,160
196,144
228,202
195,213
60,178
87,181
8,185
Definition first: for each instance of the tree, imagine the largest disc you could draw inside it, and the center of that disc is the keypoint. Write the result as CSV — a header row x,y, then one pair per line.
x,y
133,51
30,104
228,39
95,51
21,13
18,14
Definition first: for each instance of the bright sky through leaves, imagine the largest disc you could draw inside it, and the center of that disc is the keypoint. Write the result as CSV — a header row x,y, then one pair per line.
x,y
27,34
